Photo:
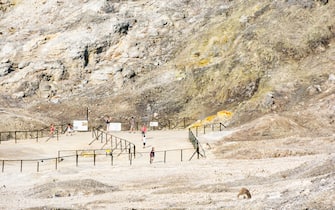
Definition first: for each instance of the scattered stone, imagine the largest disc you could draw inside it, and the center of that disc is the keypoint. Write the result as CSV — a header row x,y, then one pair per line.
x,y
244,192
5,68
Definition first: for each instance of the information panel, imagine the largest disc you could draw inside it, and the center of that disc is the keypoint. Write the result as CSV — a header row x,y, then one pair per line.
x,y
114,127
153,124
80,125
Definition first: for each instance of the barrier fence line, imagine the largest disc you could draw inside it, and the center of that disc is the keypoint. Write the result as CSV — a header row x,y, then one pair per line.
x,y
96,134
196,144
194,140
23,135
116,144
21,163
212,127
94,155
122,144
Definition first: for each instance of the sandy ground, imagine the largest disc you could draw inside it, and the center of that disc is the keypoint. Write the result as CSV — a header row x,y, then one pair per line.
x,y
173,181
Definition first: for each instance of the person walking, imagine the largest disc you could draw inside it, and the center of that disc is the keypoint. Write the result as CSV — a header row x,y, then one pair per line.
x,y
52,130
144,141
152,155
69,129
108,121
144,130
132,124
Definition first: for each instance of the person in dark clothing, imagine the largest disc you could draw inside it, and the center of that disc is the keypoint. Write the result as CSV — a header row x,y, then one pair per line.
x,y
152,155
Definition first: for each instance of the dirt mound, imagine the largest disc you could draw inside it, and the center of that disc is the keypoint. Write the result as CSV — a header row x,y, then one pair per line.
x,y
311,169
273,148
70,188
269,126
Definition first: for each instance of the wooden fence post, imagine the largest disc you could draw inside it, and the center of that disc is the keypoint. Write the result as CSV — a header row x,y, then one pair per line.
x,y
198,152
181,155
77,158
111,158
94,155
130,157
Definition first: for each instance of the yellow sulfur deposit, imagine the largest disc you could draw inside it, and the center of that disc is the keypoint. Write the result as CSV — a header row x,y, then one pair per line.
x,y
210,119
224,113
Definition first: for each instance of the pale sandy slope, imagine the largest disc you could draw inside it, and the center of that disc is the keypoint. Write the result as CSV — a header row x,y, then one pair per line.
x,y
275,183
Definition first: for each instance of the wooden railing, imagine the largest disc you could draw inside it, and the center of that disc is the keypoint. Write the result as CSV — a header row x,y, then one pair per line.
x,y
115,142
23,135
208,128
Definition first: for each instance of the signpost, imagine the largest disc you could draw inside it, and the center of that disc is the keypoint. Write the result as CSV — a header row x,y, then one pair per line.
x,y
153,124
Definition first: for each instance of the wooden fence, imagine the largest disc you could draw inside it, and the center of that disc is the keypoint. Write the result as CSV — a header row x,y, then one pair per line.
x,y
213,127
16,136
92,158
112,149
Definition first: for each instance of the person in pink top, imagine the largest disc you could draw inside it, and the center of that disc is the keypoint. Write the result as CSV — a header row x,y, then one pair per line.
x,y
52,130
144,130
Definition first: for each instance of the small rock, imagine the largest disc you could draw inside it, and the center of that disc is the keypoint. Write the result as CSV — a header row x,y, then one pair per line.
x,y
244,192
18,95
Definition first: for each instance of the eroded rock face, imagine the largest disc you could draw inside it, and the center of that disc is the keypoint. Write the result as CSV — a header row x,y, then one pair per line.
x,y
180,58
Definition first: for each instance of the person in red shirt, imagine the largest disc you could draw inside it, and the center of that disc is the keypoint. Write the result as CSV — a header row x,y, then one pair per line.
x,y
144,130
52,130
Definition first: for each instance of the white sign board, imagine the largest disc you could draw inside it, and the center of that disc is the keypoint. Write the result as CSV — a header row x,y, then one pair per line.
x,y
153,124
80,125
114,127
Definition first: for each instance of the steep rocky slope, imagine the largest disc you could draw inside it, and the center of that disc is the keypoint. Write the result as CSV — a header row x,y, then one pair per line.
x,y
270,63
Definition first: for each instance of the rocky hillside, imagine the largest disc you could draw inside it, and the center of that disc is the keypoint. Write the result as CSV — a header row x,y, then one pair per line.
x,y
271,63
